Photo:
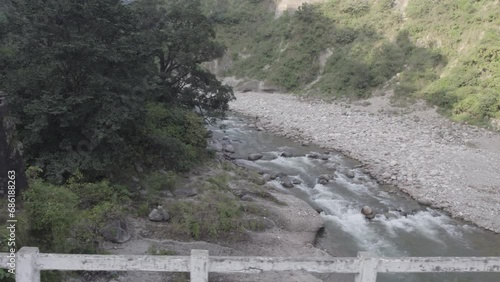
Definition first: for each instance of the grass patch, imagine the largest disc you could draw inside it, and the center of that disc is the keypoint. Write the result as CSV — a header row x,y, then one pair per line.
x,y
216,215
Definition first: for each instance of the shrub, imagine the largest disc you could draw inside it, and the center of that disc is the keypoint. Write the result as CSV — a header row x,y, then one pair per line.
x,y
51,211
176,137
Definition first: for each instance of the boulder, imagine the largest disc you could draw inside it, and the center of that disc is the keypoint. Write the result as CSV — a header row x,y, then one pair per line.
x,y
117,232
322,181
273,176
158,215
296,181
229,148
254,157
286,182
425,201
286,155
366,210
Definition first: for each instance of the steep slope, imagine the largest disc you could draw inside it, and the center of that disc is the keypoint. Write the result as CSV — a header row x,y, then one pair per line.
x,y
445,52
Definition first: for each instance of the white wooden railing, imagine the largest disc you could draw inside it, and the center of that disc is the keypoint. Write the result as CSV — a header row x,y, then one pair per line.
x,y
29,262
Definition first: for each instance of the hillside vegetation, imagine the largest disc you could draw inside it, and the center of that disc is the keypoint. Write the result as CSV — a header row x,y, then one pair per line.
x,y
105,97
445,52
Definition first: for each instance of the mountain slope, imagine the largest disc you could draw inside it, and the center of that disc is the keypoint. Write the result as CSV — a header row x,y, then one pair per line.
x,y
445,52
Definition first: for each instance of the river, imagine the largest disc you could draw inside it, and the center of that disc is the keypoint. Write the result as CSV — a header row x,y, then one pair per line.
x,y
402,227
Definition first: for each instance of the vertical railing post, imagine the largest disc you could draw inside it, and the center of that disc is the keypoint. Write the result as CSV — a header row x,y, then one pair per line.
x,y
26,270
368,269
199,265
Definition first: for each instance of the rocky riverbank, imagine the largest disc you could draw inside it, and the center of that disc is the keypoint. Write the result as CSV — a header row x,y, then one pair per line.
x,y
439,163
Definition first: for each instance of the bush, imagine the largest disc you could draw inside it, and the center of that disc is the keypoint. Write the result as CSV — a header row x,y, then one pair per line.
x,y
51,211
177,137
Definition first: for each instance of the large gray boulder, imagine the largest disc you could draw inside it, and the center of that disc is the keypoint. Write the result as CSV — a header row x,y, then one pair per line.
x,y
116,231
159,215
229,148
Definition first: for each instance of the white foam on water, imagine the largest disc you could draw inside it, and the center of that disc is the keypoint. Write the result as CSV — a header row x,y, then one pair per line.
x,y
298,164
363,231
360,189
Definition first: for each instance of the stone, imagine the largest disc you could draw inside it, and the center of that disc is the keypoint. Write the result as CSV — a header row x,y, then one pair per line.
x,y
425,201
286,182
117,232
366,210
286,155
254,157
158,215
296,181
273,176
229,148
322,181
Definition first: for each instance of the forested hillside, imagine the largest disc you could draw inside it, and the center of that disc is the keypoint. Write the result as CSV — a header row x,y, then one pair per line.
x,y
445,52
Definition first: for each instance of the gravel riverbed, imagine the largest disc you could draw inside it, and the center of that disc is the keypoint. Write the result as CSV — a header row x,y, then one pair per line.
x,y
443,164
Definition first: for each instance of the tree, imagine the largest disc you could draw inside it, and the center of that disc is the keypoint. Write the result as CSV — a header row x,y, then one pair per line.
x,y
181,38
80,74
72,81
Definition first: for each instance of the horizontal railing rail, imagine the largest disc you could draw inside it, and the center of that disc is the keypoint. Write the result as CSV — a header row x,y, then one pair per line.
x,y
28,263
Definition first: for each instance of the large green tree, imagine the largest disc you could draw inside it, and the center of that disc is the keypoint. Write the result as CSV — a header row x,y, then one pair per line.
x,y
79,75
180,39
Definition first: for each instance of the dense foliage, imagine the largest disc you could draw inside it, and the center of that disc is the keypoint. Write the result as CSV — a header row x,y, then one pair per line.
x,y
81,77
97,88
444,51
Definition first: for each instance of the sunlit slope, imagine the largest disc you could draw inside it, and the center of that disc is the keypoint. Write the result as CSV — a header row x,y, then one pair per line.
x,y
447,52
